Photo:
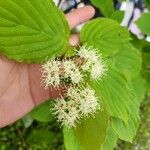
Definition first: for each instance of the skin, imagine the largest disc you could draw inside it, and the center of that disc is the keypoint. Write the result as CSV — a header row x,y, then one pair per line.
x,y
20,84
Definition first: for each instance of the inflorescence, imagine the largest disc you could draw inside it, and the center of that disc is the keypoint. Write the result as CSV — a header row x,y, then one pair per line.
x,y
80,99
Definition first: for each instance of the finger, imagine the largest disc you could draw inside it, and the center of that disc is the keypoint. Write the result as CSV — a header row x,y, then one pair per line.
x,y
74,39
80,15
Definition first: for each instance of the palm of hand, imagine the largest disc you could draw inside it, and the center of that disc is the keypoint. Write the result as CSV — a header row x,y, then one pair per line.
x,y
20,87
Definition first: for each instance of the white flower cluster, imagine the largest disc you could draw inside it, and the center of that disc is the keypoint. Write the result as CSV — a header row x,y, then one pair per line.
x,y
93,62
54,72
50,73
79,102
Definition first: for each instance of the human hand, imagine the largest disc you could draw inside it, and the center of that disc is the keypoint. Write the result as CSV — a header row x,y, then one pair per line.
x,y
20,84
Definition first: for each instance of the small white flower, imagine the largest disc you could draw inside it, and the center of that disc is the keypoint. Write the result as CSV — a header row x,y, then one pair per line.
x,y
76,76
94,63
66,111
98,70
68,66
72,117
89,102
88,53
79,102
72,71
86,66
50,73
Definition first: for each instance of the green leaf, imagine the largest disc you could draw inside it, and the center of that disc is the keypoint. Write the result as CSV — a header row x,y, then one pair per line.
x,y
105,34
137,43
143,23
105,6
32,30
89,134
111,140
146,66
146,74
42,112
128,61
117,15
70,141
127,131
139,88
146,57
114,91
147,3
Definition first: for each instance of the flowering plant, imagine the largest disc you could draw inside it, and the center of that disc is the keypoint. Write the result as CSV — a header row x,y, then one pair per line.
x,y
80,99
102,75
